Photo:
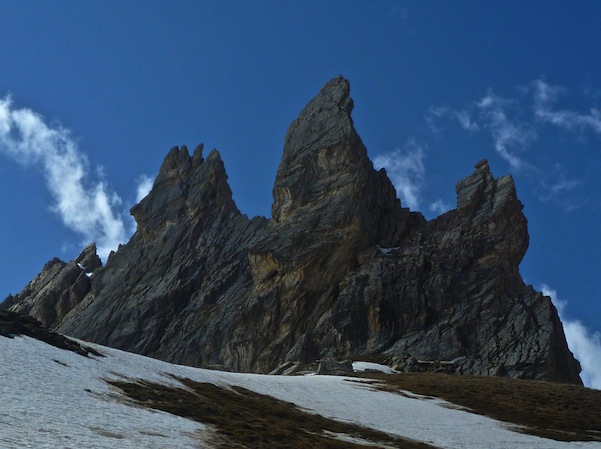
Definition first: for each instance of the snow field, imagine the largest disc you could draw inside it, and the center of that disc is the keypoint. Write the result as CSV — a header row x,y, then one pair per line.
x,y
56,399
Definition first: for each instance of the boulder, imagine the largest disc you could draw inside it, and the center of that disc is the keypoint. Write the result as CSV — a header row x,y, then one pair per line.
x,y
333,367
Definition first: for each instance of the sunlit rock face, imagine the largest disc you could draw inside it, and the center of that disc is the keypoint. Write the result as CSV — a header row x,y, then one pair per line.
x,y
340,270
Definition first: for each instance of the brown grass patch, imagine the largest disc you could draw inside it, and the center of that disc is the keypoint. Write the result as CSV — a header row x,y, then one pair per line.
x,y
549,410
247,419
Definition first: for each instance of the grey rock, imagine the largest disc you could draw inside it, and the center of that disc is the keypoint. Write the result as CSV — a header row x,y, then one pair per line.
x,y
333,367
340,270
287,369
51,295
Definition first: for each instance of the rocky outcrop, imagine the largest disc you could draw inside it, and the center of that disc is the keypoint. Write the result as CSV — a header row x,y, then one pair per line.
x,y
57,289
452,292
341,270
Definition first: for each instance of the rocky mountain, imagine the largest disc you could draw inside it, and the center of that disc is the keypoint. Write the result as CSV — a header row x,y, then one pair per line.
x,y
340,270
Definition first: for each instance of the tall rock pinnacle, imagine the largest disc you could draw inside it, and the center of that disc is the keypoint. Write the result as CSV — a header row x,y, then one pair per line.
x,y
323,155
340,270
327,193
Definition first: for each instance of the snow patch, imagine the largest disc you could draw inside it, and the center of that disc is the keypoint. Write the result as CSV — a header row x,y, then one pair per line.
x,y
387,251
370,366
54,398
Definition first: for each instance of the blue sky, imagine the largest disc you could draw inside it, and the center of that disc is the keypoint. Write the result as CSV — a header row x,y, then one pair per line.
x,y
112,86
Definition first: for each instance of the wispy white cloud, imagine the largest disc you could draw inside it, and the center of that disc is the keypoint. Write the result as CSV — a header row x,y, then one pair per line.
x,y
433,117
405,168
544,97
556,186
439,207
509,135
494,115
144,186
466,120
585,345
85,206
515,125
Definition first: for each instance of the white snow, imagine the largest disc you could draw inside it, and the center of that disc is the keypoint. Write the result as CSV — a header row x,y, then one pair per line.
x,y
387,251
46,404
365,366
51,398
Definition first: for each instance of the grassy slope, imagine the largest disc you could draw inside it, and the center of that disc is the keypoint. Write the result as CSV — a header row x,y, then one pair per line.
x,y
251,420
550,410
245,419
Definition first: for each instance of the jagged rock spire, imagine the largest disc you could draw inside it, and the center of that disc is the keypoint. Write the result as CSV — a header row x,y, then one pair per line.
x,y
186,186
340,270
322,152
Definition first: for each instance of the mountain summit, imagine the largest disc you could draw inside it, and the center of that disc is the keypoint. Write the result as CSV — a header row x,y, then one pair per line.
x,y
340,270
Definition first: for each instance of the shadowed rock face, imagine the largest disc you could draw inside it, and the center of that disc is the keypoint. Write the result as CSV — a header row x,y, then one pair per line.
x,y
340,270
57,289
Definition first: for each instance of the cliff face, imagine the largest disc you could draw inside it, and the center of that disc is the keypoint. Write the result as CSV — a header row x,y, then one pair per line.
x,y
341,269
57,289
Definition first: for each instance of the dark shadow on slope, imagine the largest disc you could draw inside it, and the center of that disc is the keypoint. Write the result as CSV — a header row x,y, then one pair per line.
x,y
13,324
251,420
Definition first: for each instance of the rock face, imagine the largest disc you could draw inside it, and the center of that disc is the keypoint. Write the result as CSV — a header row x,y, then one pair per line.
x,y
340,270
57,289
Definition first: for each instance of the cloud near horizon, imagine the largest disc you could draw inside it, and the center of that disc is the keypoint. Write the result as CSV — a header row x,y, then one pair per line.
x,y
86,206
144,187
585,345
439,207
406,170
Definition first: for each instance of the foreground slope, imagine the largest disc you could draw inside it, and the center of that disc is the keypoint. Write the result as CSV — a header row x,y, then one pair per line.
x,y
54,397
340,270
